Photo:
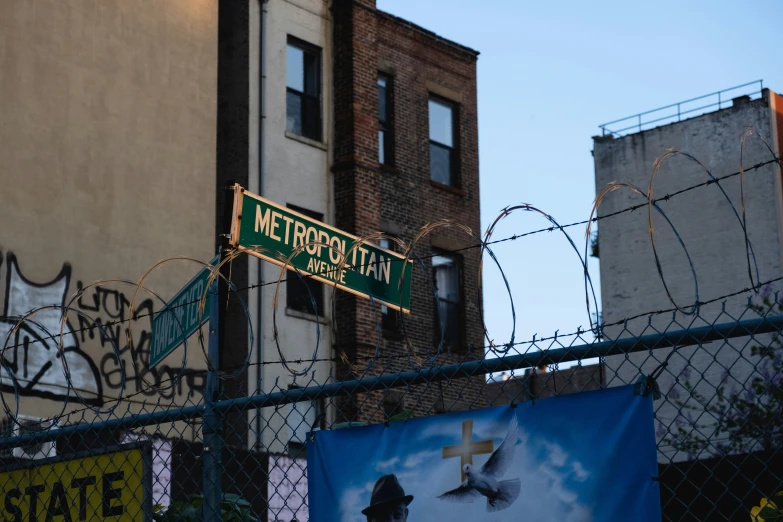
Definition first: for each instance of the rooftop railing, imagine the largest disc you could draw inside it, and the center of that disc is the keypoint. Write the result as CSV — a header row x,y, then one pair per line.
x,y
680,110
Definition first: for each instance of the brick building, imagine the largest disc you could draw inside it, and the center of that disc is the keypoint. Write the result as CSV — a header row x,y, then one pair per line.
x,y
539,383
369,123
406,155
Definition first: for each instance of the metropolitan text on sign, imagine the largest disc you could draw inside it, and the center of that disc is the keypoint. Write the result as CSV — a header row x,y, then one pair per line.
x,y
369,270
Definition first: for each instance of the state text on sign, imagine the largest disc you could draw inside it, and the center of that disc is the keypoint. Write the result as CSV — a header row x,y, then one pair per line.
x,y
113,486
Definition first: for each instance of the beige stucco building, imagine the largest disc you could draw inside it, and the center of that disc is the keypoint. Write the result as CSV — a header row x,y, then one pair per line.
x,y
107,140
292,170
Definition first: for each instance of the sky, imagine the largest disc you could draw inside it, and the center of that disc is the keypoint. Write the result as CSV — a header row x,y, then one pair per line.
x,y
548,74
560,474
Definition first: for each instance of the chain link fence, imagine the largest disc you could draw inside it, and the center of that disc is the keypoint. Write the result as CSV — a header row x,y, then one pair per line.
x,y
198,441
717,399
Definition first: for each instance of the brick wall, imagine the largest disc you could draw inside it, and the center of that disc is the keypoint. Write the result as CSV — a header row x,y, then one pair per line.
x,y
401,199
535,384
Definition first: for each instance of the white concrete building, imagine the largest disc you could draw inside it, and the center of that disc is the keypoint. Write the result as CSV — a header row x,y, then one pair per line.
x,y
709,229
290,72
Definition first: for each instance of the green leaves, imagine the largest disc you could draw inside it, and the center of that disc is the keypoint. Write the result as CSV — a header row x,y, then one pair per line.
x,y
403,415
236,509
742,415
770,514
233,508
178,512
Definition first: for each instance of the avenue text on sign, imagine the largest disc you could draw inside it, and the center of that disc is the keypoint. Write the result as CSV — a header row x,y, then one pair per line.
x,y
369,270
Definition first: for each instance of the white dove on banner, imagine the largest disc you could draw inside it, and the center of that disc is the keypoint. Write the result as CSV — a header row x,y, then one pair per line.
x,y
486,482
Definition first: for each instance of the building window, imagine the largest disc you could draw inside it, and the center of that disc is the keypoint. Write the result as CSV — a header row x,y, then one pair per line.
x,y
301,418
390,319
300,293
393,404
303,86
385,134
443,161
446,278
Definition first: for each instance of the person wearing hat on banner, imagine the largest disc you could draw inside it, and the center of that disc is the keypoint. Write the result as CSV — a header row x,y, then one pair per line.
x,y
388,502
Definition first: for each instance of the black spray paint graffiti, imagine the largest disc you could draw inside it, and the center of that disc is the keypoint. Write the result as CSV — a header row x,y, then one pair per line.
x,y
110,309
32,364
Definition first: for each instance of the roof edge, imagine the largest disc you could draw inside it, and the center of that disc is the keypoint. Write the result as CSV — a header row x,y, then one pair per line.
x,y
426,32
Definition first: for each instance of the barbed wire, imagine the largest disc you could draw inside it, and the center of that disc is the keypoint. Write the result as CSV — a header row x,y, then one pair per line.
x,y
483,244
514,237
390,357
596,219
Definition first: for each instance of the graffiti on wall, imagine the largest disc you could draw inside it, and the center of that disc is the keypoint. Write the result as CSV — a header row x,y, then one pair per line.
x,y
31,358
32,363
110,310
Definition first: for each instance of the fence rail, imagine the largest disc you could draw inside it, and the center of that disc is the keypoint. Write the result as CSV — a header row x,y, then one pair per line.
x,y
162,422
478,368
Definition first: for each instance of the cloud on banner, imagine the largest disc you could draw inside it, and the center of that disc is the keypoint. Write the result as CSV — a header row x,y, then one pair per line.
x,y
582,457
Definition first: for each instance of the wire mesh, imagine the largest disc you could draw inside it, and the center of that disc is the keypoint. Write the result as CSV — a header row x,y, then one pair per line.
x,y
713,367
718,424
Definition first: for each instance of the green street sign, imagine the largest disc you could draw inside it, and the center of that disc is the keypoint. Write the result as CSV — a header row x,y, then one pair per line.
x,y
179,319
370,270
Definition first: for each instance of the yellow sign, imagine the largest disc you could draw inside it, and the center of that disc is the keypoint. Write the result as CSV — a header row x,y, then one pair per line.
x,y
112,486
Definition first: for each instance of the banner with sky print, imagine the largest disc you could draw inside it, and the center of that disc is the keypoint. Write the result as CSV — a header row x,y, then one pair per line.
x,y
583,457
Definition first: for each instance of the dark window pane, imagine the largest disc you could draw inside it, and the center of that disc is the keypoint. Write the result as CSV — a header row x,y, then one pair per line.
x,y
310,74
390,322
448,319
293,102
382,101
303,103
301,294
385,121
311,120
446,280
441,125
440,164
294,72
390,319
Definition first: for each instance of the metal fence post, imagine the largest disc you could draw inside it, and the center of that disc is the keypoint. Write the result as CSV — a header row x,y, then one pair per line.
x,y
212,428
213,420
